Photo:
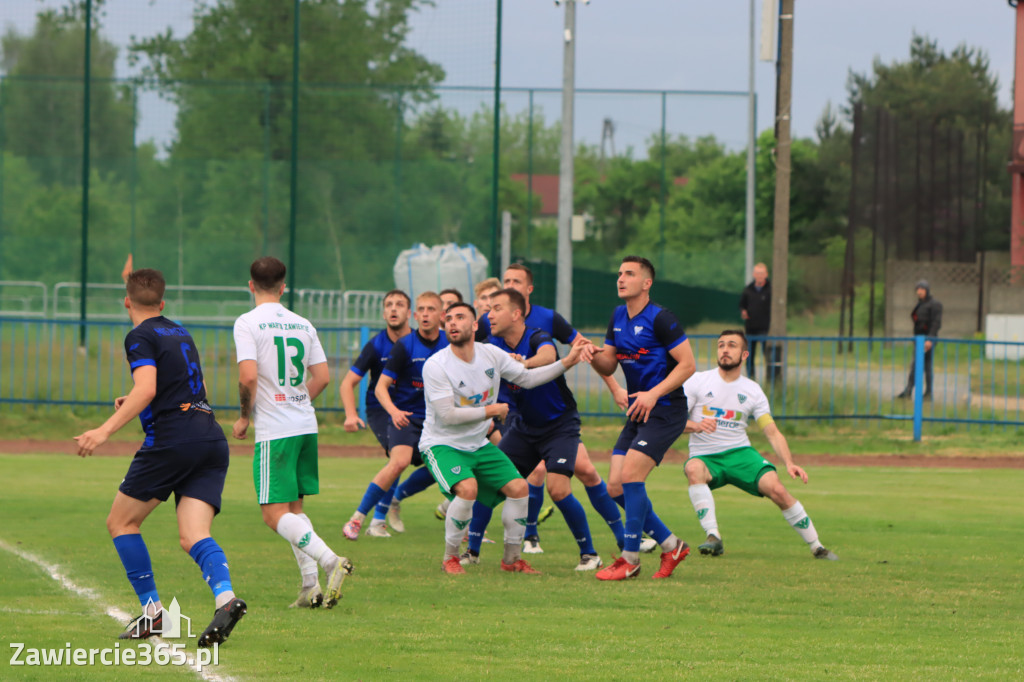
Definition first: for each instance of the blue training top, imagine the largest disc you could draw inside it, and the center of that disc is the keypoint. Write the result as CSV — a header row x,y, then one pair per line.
x,y
405,368
373,358
544,319
543,404
642,346
178,412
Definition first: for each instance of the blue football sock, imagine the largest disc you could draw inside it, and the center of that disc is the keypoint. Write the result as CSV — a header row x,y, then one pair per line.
x,y
370,498
654,527
418,481
533,509
620,500
576,519
605,506
135,559
481,517
380,511
637,507
211,561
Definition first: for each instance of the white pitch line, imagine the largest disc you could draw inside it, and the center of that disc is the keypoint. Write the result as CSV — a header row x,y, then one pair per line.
x,y
57,573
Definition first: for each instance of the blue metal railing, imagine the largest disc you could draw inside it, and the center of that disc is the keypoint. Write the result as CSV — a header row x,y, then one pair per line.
x,y
805,377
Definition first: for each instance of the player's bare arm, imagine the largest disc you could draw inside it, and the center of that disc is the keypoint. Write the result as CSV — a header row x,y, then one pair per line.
x,y
398,417
706,425
645,401
348,402
604,360
319,377
247,378
135,402
545,356
781,448
619,394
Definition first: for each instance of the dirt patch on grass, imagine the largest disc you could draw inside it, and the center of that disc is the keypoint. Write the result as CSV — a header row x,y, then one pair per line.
x,y
121,449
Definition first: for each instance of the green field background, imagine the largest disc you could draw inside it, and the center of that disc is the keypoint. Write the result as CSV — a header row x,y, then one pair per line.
x,y
928,585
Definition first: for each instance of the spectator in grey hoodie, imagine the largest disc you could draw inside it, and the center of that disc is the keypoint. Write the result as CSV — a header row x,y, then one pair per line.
x,y
927,317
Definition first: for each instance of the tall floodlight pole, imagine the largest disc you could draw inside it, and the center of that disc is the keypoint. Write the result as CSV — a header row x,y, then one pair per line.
x,y
563,291
751,141
294,178
86,110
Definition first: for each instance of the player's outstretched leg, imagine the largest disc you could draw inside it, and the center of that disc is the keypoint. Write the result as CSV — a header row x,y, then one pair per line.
x,y
299,532
139,568
311,595
771,487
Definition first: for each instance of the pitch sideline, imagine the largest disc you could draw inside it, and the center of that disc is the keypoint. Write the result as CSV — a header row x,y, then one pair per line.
x,y
55,572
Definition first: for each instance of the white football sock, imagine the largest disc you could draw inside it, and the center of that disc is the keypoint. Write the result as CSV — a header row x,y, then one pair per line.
x,y
513,518
704,504
456,524
307,564
801,522
300,533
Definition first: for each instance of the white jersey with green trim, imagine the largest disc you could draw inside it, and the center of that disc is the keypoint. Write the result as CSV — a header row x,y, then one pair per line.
x,y
732,404
470,384
283,345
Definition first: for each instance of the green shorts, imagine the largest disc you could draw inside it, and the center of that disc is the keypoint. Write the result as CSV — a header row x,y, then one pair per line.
x,y
741,467
491,468
284,469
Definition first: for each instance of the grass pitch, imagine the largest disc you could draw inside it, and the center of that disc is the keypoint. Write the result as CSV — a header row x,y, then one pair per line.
x,y
928,585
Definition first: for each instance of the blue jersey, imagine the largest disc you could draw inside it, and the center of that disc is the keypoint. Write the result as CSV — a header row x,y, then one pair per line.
x,y
544,319
543,404
642,346
372,359
178,412
405,368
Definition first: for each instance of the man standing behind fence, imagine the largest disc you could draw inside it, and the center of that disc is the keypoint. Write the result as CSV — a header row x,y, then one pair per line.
x,y
756,311
275,349
927,317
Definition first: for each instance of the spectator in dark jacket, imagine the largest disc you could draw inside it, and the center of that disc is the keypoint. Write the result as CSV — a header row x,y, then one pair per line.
x,y
927,317
756,311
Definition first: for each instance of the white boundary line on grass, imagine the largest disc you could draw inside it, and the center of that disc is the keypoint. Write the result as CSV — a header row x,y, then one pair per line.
x,y
58,574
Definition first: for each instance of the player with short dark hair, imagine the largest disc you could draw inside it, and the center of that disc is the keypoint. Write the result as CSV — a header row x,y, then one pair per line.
x,y
461,389
276,349
400,392
647,341
449,297
722,402
184,453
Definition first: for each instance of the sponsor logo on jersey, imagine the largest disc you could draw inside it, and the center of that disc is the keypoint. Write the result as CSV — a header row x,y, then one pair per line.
x,y
723,415
561,460
298,398
632,356
709,394
641,443
475,400
280,397
462,384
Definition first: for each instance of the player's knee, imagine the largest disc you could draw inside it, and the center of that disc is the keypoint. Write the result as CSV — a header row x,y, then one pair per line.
x,y
589,476
466,489
559,487
516,488
614,489
696,472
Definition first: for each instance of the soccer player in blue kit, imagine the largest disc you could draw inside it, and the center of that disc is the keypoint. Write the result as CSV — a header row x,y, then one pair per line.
x,y
547,428
372,359
184,452
649,344
400,392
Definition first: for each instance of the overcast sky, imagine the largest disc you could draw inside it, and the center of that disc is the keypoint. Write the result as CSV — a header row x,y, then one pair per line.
x,y
642,44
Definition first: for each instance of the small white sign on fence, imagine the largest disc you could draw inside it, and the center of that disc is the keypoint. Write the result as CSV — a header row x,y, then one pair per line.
x,y
1006,328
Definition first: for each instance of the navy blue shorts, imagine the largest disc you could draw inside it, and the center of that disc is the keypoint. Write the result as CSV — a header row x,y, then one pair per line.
x,y
407,435
503,427
556,446
378,421
195,469
655,436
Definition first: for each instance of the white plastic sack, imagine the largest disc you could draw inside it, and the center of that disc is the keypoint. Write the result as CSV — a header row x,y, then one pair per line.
x,y
443,266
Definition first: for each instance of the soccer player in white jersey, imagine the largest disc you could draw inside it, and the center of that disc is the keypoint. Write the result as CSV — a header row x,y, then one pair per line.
x,y
460,385
275,350
721,402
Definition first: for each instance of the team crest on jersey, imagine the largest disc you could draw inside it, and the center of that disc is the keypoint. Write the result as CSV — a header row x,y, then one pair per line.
x,y
457,470
637,329
489,373
742,398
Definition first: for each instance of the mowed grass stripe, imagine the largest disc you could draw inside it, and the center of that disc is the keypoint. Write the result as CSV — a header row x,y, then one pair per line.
x,y
927,586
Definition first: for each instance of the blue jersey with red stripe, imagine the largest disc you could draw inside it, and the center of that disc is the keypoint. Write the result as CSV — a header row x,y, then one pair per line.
x,y
178,412
405,368
372,359
540,405
642,344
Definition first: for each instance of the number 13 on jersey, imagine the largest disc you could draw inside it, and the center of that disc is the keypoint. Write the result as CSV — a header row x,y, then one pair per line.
x,y
283,356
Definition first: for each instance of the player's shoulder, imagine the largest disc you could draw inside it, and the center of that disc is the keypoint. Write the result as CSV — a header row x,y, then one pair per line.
x,y
750,386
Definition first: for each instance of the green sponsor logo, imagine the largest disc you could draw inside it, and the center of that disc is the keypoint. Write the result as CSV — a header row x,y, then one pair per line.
x,y
803,523
702,513
461,525
305,540
522,521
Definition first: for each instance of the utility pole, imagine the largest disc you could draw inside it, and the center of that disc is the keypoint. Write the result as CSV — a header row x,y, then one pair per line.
x,y
751,157
783,171
563,290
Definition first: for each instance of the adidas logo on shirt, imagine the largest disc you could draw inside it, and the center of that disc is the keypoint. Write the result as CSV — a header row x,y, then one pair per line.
x,y
462,384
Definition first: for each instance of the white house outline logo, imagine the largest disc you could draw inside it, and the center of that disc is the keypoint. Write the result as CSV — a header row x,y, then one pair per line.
x,y
172,619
